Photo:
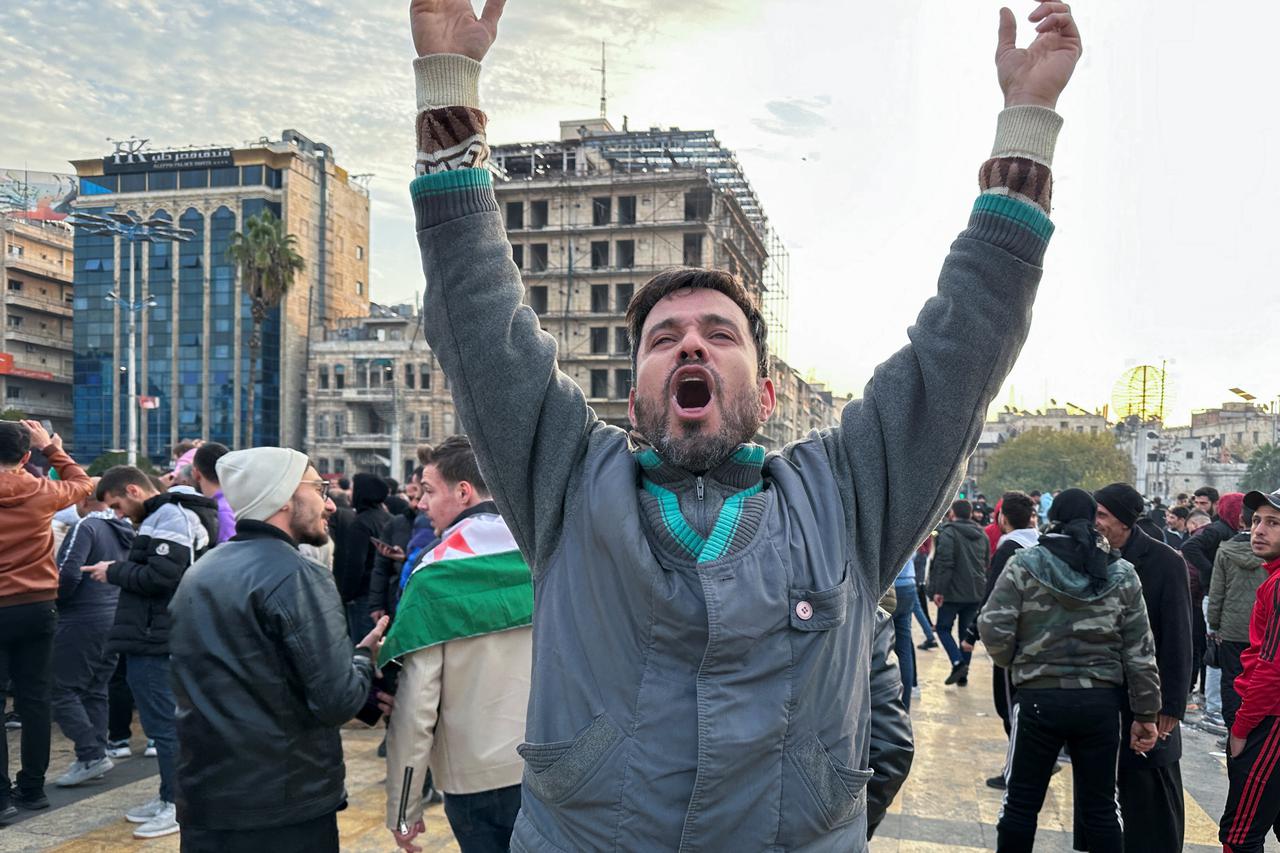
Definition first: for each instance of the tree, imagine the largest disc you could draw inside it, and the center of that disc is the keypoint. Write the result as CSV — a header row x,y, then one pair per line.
x,y
1264,469
13,415
1050,460
268,261
99,466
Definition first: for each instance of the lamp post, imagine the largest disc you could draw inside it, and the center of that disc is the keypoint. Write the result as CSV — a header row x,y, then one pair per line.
x,y
133,230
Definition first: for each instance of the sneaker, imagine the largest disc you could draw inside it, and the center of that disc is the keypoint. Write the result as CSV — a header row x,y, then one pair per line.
x,y
164,823
119,749
31,802
915,693
145,813
150,751
83,771
959,673
1222,744
927,645
7,813
12,720
1208,725
996,782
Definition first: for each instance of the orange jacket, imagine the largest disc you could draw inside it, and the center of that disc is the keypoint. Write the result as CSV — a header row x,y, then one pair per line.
x,y
27,504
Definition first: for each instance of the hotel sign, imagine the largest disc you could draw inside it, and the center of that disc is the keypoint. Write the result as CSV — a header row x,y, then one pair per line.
x,y
132,156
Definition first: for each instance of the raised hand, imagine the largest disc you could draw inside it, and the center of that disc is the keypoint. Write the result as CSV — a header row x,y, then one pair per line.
x,y
1037,74
451,26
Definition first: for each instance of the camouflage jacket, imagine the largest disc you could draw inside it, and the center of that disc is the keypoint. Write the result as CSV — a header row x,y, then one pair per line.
x,y
1050,630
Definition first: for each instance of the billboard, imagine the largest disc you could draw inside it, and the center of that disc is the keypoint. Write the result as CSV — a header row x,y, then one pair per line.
x,y
45,196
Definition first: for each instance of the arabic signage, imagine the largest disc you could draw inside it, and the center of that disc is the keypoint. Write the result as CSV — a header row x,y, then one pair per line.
x,y
7,369
133,156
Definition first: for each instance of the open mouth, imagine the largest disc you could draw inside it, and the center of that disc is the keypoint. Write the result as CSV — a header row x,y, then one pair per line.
x,y
692,391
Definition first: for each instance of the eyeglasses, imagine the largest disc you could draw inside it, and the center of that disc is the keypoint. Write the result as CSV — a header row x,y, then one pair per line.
x,y
322,486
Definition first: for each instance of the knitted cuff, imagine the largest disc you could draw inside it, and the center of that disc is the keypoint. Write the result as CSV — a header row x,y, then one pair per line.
x,y
451,138
1027,132
447,80
1019,178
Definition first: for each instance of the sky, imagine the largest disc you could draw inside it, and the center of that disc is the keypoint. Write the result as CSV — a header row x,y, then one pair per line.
x,y
861,126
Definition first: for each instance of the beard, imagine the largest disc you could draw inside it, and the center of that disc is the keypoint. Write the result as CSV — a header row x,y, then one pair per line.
x,y
307,529
691,446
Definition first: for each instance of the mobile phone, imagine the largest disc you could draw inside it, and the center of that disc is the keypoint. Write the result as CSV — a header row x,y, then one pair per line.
x,y
370,714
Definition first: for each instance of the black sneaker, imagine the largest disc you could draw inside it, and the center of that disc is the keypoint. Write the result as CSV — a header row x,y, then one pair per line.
x,y
7,813
996,782
12,720
959,675
927,645
31,802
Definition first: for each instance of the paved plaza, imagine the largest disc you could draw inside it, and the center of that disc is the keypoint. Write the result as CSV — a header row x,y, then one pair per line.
x,y
944,806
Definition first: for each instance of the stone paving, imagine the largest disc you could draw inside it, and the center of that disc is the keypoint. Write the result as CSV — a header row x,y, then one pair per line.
x,y
944,806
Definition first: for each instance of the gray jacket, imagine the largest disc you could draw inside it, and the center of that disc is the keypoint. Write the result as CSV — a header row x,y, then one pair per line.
x,y
702,644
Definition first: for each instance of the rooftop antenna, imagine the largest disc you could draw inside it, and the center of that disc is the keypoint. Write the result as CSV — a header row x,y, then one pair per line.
x,y
604,98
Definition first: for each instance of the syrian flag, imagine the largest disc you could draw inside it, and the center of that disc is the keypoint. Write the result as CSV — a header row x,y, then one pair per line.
x,y
474,582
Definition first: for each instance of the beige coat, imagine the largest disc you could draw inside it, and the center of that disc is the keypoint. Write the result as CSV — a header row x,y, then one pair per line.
x,y
460,709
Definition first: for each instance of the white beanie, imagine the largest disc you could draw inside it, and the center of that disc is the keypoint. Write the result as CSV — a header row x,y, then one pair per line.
x,y
258,482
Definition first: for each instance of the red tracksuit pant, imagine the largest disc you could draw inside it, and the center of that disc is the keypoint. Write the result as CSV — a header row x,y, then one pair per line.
x,y
1253,800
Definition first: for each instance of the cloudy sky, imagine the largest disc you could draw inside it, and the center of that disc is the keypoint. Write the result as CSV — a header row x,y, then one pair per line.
x,y
861,126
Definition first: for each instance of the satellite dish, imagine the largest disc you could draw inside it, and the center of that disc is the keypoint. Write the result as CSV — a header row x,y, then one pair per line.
x,y
1141,392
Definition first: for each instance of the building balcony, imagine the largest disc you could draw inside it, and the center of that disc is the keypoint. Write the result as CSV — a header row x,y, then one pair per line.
x,y
37,409
42,338
38,266
361,440
44,306
357,395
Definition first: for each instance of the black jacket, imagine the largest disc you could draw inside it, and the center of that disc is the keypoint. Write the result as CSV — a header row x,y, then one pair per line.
x,y
180,525
264,675
384,582
892,745
1203,547
958,571
1168,600
353,551
96,537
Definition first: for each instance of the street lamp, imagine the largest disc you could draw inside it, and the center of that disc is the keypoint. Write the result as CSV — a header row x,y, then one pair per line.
x,y
129,227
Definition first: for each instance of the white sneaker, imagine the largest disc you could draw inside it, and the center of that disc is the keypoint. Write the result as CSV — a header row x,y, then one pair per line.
x,y
146,813
118,749
150,751
83,771
164,823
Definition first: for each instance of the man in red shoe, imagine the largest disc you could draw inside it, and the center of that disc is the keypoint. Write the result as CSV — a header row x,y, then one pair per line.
x,y
1253,801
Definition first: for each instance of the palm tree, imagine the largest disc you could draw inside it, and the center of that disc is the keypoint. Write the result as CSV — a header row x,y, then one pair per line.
x,y
268,262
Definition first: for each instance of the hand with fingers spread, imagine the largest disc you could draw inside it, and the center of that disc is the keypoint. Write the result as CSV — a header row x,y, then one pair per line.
x,y
1037,74
451,26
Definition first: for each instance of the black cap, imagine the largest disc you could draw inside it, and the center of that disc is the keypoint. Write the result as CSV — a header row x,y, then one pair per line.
x,y
1255,499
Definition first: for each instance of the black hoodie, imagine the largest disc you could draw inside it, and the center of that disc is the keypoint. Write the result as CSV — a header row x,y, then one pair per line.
x,y
96,537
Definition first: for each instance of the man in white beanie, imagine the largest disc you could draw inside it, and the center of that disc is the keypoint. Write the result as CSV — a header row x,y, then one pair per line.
x,y
264,673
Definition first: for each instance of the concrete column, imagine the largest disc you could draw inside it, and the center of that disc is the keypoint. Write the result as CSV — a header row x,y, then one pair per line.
x,y
143,350
237,345
115,346
174,304
207,308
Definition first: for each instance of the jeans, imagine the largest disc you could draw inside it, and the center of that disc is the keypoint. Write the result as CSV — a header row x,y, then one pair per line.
x,y
318,835
26,644
1213,689
947,614
483,822
902,644
359,622
1229,656
82,667
119,703
1044,720
922,617
149,680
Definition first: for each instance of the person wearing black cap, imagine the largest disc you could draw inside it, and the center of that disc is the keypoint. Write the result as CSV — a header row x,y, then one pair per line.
x,y
354,551
1149,785
1067,618
1253,799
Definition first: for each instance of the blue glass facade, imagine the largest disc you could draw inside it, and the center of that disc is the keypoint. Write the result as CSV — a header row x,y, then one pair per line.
x,y
166,348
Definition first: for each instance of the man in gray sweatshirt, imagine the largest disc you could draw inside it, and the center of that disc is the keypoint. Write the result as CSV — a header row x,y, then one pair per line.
x,y
703,611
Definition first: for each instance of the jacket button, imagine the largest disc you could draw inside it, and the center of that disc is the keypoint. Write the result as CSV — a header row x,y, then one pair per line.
x,y
804,610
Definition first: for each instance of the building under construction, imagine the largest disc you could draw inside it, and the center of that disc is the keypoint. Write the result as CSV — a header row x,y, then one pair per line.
x,y
595,214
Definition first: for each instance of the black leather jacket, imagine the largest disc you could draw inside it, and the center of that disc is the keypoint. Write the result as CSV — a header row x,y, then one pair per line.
x,y
892,745
264,674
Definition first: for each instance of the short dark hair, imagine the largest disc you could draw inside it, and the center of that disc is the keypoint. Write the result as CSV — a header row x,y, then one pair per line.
x,y
1246,517
1182,496
117,478
417,473
962,509
183,447
344,484
424,454
1208,492
1035,493
456,462
393,487
15,442
1018,508
1181,512
669,281
206,459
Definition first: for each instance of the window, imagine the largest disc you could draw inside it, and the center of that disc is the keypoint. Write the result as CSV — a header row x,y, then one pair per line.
x,y
538,299
538,214
228,176
323,377
322,426
251,176
13,393
339,424
15,251
135,182
599,383
622,382
15,321
693,250
599,340
162,181
515,215
424,426
193,178
601,210
15,286
408,376
626,254
517,256
599,298
627,210
1191,455
339,376
359,288
275,180
697,205
622,297
359,253
621,341
599,254
424,377
538,257
191,260
339,465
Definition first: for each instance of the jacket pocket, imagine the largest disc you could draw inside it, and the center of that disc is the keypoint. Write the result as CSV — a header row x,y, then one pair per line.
x,y
554,771
824,609
839,791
